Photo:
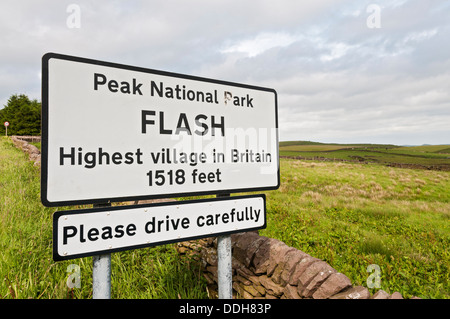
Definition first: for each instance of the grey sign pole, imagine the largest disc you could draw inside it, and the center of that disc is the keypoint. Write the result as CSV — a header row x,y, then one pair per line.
x,y
101,272
225,271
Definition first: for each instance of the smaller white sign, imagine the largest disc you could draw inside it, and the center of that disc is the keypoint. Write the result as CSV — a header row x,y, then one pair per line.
x,y
109,229
6,124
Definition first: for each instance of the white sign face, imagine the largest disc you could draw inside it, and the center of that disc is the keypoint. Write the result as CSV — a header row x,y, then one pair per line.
x,y
6,124
113,132
109,229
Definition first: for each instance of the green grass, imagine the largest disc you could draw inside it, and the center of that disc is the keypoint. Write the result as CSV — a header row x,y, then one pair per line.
x,y
353,215
349,215
27,269
425,156
301,144
313,148
427,148
37,144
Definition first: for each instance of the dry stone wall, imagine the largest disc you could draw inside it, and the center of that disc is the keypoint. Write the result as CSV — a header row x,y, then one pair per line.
x,y
33,152
32,139
267,268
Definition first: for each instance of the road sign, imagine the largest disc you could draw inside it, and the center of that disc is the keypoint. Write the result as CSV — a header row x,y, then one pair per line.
x,y
113,132
104,230
6,124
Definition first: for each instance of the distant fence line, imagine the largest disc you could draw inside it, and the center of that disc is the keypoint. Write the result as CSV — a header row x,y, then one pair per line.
x,y
32,139
442,167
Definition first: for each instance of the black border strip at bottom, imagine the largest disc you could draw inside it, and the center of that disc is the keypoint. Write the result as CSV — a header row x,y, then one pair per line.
x,y
56,215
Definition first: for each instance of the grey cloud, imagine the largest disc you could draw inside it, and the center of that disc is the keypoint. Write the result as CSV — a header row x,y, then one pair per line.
x,y
335,77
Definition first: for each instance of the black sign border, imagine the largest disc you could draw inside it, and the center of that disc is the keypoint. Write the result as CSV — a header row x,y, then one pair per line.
x,y
44,129
58,214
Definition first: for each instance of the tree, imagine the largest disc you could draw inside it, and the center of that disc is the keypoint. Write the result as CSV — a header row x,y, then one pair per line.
x,y
23,115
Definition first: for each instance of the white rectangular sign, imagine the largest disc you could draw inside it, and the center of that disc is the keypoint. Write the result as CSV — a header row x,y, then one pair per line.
x,y
103,230
113,132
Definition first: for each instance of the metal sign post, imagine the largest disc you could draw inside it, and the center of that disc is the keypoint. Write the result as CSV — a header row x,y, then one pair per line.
x,y
101,272
6,127
224,271
101,277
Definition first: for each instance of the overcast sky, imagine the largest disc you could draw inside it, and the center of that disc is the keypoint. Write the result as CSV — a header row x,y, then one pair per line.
x,y
345,71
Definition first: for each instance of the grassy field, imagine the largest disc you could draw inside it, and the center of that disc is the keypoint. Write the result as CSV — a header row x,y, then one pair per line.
x,y
348,214
444,149
436,156
27,269
353,215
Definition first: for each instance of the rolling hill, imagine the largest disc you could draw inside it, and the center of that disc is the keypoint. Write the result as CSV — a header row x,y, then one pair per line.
x,y
425,157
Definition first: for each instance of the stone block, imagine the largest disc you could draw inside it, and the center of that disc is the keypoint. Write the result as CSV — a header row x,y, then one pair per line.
x,y
212,270
209,255
292,259
242,240
262,256
245,247
271,287
300,268
310,272
260,288
334,284
396,295
277,255
324,272
236,264
380,294
242,280
247,274
252,290
290,292
210,279
242,293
